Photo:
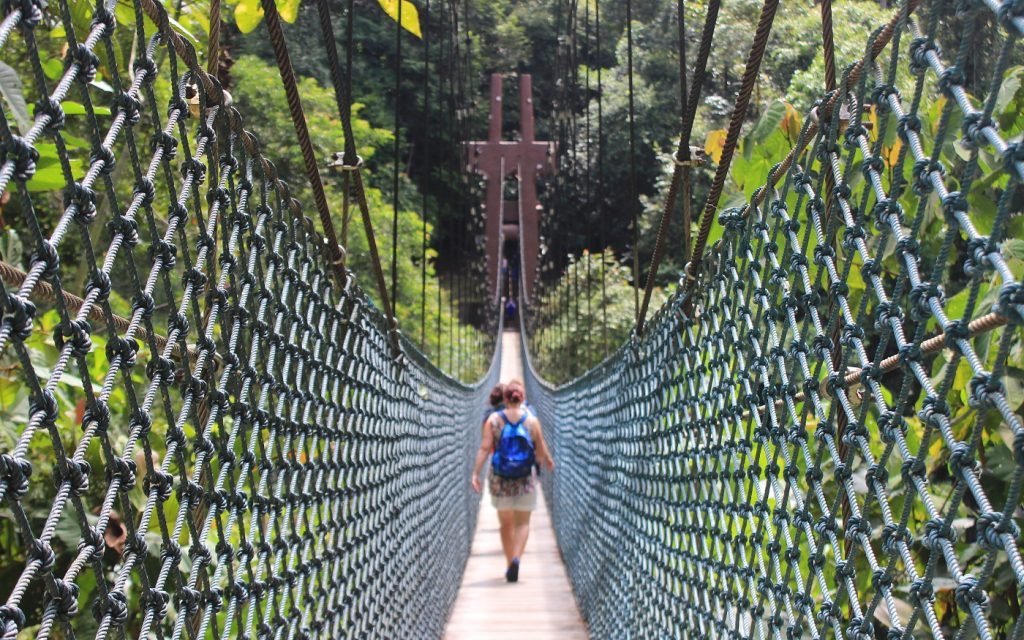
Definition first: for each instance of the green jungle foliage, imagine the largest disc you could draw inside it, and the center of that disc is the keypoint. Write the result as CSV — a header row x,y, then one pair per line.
x,y
450,341
584,316
593,209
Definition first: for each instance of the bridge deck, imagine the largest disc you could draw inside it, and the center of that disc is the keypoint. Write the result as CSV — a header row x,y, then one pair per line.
x,y
541,604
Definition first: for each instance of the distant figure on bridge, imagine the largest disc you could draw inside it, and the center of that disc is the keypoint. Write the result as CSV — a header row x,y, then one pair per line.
x,y
510,310
513,438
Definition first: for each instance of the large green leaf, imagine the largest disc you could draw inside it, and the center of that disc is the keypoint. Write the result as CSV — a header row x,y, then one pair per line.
x,y
769,121
10,87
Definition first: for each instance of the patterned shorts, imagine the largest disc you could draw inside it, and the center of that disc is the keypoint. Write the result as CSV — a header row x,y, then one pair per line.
x,y
525,502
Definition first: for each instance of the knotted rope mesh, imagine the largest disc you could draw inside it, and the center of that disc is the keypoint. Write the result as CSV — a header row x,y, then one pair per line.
x,y
241,456
817,442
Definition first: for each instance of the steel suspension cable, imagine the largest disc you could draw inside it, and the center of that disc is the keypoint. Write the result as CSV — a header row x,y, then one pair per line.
x,y
352,163
589,204
428,153
828,47
600,177
396,171
682,158
633,205
298,116
739,114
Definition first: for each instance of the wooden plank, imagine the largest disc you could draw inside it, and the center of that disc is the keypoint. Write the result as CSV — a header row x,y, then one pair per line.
x,y
541,605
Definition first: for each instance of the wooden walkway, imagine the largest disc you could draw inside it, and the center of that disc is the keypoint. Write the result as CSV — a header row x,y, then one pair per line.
x,y
541,605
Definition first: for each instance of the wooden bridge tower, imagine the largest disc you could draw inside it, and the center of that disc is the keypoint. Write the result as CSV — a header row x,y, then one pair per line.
x,y
524,159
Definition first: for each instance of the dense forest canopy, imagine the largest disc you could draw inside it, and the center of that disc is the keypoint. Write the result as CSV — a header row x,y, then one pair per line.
x,y
415,112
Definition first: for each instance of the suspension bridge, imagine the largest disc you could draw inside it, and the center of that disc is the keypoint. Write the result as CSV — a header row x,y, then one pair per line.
x,y
802,442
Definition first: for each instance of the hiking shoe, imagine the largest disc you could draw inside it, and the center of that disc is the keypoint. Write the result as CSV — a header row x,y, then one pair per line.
x,y
512,573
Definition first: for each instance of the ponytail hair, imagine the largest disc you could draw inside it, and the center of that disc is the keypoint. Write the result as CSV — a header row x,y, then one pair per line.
x,y
514,392
497,394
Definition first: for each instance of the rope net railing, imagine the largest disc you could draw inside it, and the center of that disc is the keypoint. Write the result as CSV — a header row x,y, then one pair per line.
x,y
240,454
808,440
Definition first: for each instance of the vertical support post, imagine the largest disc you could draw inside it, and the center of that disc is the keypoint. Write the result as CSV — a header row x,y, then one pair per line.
x,y
526,127
494,132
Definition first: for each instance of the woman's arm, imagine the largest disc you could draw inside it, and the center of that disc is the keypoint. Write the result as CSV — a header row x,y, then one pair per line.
x,y
486,447
543,453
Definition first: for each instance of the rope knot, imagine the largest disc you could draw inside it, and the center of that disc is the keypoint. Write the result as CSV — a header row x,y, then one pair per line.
x,y
125,350
144,68
911,469
936,532
907,124
123,471
983,386
922,592
887,212
87,61
156,600
64,596
15,473
1011,302
54,112
164,251
934,411
853,134
31,16
992,525
166,143
891,426
919,49
922,174
978,260
103,17
162,483
12,619
47,256
850,237
97,412
83,199
969,592
21,313
79,332
41,552
128,229
950,78
75,473
24,156
921,296
882,95
954,332
129,105
114,605
961,459
887,313
1013,156
973,128
733,219
892,536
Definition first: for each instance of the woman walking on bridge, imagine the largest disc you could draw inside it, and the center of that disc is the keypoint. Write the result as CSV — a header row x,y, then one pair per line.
x,y
513,438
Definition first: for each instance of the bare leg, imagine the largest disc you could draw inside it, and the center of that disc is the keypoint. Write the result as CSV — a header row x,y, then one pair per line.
x,y
507,521
521,520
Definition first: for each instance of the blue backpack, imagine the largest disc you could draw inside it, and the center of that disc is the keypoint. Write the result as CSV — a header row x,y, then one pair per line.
x,y
514,454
